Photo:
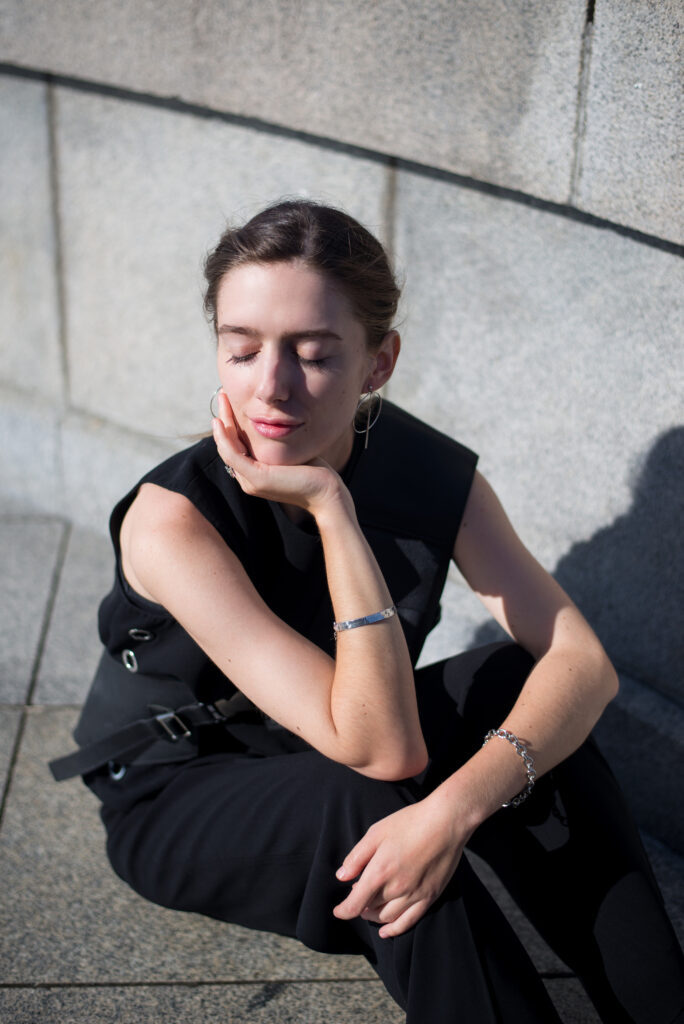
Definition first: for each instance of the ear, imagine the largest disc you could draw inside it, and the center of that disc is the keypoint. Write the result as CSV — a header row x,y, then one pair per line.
x,y
384,360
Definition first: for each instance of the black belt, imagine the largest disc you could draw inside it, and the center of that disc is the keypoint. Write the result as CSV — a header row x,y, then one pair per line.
x,y
129,742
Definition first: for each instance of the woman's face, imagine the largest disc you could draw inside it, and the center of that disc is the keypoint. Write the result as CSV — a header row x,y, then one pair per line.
x,y
292,359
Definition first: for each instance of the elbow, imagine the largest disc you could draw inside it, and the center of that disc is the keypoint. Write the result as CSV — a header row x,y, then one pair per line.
x,y
612,683
404,764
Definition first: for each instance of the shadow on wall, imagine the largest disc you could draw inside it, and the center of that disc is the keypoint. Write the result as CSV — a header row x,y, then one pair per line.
x,y
628,579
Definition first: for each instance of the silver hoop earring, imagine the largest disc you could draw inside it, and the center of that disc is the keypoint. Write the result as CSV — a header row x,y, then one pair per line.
x,y
211,401
372,415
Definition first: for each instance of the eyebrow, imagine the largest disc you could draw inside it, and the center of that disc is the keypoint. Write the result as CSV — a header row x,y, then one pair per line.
x,y
322,333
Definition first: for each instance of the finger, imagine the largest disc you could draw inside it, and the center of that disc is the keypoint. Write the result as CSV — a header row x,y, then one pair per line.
x,y
385,913
408,919
364,893
356,860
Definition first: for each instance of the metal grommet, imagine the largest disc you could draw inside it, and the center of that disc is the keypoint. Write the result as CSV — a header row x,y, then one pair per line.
x,y
116,770
140,634
129,659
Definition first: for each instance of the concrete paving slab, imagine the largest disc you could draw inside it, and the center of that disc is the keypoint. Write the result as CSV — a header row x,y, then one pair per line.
x,y
144,194
633,160
28,551
272,1003
552,349
9,723
72,647
67,919
29,354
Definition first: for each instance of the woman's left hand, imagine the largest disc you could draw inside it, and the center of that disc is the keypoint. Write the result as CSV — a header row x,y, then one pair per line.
x,y
401,866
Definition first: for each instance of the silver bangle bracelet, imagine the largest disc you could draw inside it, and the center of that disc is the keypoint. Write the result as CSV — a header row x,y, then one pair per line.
x,y
365,620
527,759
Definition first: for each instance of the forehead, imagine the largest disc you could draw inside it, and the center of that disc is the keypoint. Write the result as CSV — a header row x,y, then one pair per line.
x,y
287,291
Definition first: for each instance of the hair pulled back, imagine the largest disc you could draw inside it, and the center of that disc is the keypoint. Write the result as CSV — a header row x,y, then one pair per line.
x,y
325,239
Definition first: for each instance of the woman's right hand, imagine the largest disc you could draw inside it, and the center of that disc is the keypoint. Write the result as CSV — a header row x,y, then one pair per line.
x,y
310,486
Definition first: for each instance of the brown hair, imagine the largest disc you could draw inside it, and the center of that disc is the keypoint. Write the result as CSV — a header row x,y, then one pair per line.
x,y
325,239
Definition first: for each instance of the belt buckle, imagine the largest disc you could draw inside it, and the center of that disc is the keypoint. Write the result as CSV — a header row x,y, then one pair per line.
x,y
173,726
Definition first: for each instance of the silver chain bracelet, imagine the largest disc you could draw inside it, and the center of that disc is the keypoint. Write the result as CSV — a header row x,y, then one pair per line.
x,y
527,759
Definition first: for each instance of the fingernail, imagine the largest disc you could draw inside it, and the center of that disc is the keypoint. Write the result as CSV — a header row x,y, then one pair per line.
x,y
341,872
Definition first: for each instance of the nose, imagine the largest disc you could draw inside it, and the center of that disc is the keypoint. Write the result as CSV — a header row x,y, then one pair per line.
x,y
274,383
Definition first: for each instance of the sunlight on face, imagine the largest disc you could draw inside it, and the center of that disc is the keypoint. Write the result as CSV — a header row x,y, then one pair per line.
x,y
293,360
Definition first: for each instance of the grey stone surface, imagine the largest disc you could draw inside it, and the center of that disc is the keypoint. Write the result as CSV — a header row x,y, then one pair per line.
x,y
28,552
10,718
29,315
571,1002
632,154
101,464
642,736
487,90
553,350
72,646
66,918
144,194
462,617
30,466
276,1002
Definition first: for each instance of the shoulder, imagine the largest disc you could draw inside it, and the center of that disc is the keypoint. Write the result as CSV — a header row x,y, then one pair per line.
x,y
162,528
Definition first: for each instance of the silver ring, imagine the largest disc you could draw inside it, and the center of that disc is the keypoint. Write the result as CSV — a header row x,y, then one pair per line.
x,y
230,471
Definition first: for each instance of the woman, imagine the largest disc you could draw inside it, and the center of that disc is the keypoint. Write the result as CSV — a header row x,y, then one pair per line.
x,y
260,765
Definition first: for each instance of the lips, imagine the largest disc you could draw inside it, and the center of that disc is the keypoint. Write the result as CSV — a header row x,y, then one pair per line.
x,y
275,429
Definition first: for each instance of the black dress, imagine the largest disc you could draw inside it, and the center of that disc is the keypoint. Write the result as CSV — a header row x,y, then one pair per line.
x,y
246,823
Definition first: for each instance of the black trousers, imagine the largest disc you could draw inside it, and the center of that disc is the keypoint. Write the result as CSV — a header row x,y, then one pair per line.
x,y
254,834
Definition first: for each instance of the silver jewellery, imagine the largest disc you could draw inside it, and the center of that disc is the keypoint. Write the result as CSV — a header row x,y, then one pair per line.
x,y
527,758
211,400
230,471
366,402
365,620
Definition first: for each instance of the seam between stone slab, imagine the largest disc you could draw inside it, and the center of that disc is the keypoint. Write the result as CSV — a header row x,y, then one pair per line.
x,y
53,173
582,93
35,668
335,145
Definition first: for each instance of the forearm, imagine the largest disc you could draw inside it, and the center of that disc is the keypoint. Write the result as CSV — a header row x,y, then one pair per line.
x,y
558,706
372,698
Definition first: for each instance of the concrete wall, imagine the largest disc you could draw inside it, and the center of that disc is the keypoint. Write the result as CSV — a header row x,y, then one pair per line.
x,y
523,162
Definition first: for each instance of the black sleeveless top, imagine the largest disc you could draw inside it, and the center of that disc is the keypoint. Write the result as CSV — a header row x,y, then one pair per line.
x,y
409,488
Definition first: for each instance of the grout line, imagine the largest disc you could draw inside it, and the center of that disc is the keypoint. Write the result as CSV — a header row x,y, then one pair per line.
x,y
49,608
35,668
565,210
582,101
237,983
57,233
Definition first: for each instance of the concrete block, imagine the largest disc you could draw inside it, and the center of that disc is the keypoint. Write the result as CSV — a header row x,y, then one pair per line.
x,y
9,724
72,646
101,464
29,313
68,918
28,555
276,1002
553,350
144,194
641,734
632,155
487,90
30,464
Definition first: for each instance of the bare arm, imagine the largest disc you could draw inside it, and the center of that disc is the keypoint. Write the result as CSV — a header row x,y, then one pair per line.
x,y
405,860
359,709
